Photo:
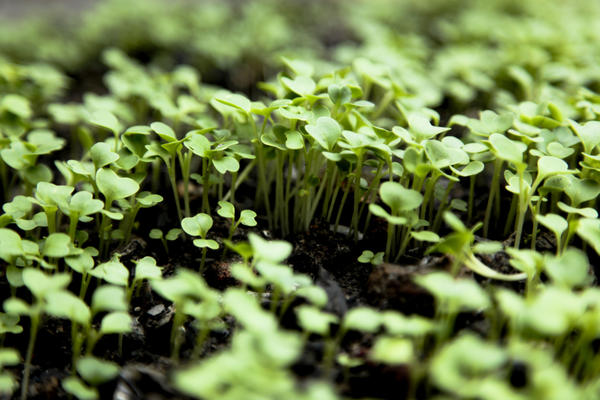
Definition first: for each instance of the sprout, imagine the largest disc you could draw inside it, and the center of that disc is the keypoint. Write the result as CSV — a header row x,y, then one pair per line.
x,y
199,225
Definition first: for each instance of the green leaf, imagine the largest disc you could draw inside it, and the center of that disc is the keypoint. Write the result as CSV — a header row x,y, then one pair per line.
x,y
41,284
392,350
112,271
114,187
581,190
17,105
398,198
589,230
64,304
326,132
83,204
426,236
421,127
294,140
10,244
549,166
102,155
555,223
586,212
107,120
247,218
226,210
226,164
146,268
570,269
9,357
363,319
462,293
202,243
57,245
275,250
339,94
163,130
313,320
109,298
96,371
77,388
116,322
234,100
507,149
198,225
301,85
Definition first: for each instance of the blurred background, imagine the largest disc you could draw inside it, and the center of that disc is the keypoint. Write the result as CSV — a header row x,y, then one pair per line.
x,y
451,52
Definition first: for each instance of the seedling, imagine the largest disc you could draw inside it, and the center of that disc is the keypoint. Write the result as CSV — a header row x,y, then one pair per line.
x,y
171,235
199,225
246,218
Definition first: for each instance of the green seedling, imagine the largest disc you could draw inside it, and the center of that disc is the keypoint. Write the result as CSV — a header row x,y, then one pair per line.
x,y
459,244
171,235
367,256
79,208
8,383
403,203
113,187
227,211
93,372
184,287
41,286
452,296
199,225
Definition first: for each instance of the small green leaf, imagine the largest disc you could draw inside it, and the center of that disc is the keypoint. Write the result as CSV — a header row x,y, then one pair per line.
x,y
234,100
209,243
198,225
226,210
426,236
41,284
106,120
163,130
146,268
570,269
363,319
392,350
398,198
275,250
313,320
77,388
112,271
116,322
64,304
301,85
57,245
247,218
96,371
102,155
114,187
507,149
109,298
326,132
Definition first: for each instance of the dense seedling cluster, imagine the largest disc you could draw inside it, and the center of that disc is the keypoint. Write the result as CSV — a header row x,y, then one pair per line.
x,y
464,137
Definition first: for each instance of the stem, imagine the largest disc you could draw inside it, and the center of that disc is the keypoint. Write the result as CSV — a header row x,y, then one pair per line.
x,y
51,217
494,187
30,346
173,180
355,215
471,197
74,217
238,181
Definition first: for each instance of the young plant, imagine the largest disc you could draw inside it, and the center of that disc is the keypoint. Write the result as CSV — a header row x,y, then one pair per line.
x,y
227,211
171,235
199,225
